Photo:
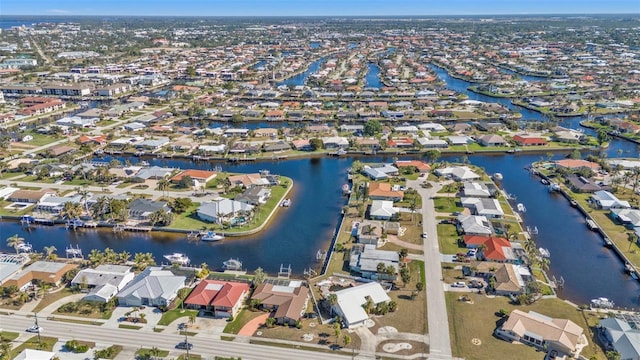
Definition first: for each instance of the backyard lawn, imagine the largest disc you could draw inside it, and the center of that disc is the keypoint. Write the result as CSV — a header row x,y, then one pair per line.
x,y
478,320
447,204
448,239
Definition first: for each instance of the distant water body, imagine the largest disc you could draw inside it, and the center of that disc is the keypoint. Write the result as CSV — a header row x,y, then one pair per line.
x,y
7,22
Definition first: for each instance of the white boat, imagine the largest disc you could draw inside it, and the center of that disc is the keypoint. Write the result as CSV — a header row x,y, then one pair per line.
x,y
521,207
591,224
602,303
178,258
554,187
345,189
25,248
544,181
544,252
211,236
286,203
498,176
232,264
73,251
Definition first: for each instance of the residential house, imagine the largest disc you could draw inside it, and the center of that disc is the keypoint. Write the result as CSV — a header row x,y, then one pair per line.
x,y
459,140
60,150
481,206
152,287
335,142
364,260
525,140
287,302
568,136
476,189
202,176
606,200
153,172
351,300
509,279
248,180
432,143
141,209
543,332
575,164
629,217
492,140
302,145
31,354
103,282
420,166
384,191
580,184
152,144
77,122
254,196
222,210
50,272
621,337
55,204
276,146
474,225
492,248
369,232
219,298
30,196
458,173
265,132
382,210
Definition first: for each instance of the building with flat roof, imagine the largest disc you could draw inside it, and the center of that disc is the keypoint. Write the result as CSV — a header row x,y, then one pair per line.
x,y
45,271
351,300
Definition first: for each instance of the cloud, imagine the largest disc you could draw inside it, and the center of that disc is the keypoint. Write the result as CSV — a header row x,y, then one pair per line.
x,y
58,11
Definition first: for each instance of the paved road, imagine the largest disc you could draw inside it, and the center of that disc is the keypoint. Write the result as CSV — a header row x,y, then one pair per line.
x,y
135,338
439,339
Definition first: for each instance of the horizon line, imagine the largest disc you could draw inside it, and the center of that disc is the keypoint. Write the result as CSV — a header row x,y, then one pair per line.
x,y
322,16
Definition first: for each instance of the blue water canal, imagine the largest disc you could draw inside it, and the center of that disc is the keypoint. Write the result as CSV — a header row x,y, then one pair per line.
x,y
294,237
372,78
301,78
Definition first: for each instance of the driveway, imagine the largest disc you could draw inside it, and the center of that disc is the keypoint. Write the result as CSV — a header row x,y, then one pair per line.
x,y
252,326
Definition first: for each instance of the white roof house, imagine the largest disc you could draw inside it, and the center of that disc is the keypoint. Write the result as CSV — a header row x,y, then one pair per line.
x,y
474,225
432,127
30,354
382,210
216,211
606,200
152,287
350,302
481,206
476,189
458,173
104,281
623,338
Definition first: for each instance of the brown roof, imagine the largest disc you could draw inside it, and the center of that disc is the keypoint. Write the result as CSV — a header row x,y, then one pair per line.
x,y
290,304
61,150
384,190
562,331
33,195
195,174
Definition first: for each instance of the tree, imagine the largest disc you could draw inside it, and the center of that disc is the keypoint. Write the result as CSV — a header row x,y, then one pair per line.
x,y
575,154
49,251
420,286
372,128
157,217
191,71
180,205
163,185
403,253
15,241
316,144
393,306
186,182
346,340
336,330
258,276
602,136
613,355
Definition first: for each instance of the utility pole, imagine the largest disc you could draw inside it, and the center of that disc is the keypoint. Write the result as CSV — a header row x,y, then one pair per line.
x,y
186,342
35,316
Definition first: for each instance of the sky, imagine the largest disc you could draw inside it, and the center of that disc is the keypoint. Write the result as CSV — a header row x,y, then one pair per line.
x,y
314,7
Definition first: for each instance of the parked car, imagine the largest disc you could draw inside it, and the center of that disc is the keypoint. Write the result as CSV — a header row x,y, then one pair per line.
x,y
34,329
184,345
458,284
424,235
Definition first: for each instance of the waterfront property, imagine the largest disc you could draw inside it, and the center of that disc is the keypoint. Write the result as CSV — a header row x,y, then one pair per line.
x,y
562,335
224,210
218,298
351,301
103,282
620,336
152,287
508,279
374,264
287,302
44,271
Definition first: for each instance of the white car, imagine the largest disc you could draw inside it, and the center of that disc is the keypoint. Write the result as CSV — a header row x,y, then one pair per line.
x,y
424,235
458,284
34,329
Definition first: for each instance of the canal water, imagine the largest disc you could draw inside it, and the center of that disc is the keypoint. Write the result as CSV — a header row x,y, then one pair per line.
x,y
372,78
301,79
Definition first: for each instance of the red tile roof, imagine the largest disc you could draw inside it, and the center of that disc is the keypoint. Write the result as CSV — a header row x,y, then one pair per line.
x,y
494,245
529,140
217,293
194,174
575,164
420,165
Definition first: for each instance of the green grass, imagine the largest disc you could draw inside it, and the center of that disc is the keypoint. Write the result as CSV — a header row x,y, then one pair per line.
x,y
479,320
50,298
152,352
448,239
46,344
111,352
241,320
157,330
172,315
130,327
191,357
13,212
41,140
447,204
8,335
76,321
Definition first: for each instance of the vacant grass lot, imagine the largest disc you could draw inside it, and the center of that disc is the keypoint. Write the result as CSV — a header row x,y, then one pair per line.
x,y
50,298
172,315
447,204
448,239
479,320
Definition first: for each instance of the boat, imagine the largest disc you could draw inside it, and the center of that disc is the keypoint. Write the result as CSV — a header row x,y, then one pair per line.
x,y
521,208
346,189
544,181
573,203
232,264
71,251
178,258
591,224
211,236
628,268
554,187
24,248
544,252
498,176
602,303
607,242
286,203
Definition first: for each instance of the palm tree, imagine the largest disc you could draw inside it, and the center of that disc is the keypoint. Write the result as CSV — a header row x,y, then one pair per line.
x,y
124,256
49,250
71,210
333,300
163,185
15,241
